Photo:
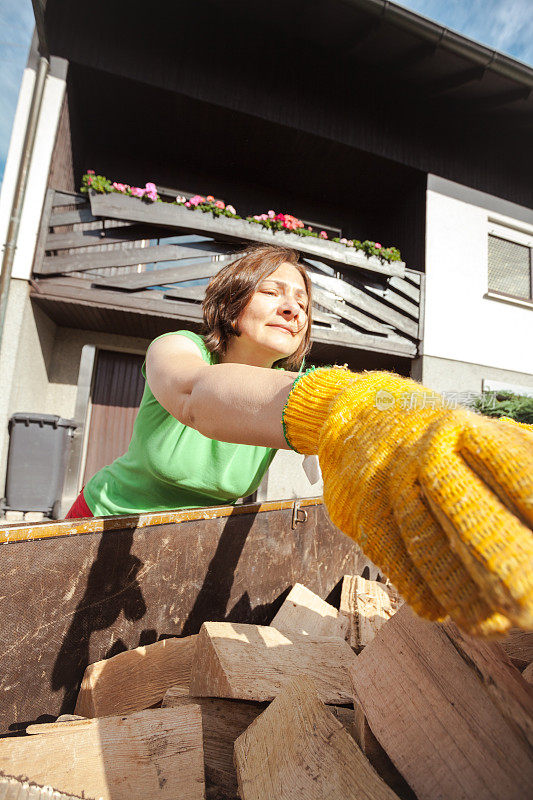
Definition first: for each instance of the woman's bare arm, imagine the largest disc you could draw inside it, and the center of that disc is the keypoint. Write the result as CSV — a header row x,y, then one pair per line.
x,y
228,402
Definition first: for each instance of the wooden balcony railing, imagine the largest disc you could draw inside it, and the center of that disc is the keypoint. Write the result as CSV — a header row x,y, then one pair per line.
x,y
116,252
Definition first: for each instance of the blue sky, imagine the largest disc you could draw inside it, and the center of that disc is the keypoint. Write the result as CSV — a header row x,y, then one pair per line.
x,y
505,25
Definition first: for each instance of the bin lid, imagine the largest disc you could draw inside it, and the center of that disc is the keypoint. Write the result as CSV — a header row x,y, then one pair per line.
x,y
44,419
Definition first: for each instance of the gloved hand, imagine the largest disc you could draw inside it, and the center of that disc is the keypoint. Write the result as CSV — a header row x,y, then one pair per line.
x,y
440,500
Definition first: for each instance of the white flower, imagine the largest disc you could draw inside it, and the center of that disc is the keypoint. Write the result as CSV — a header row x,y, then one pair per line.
x,y
180,198
231,209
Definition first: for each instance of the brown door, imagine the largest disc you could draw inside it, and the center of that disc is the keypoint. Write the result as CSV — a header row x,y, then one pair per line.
x,y
117,390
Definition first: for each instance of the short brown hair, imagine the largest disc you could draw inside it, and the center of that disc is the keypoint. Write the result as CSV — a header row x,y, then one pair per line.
x,y
231,289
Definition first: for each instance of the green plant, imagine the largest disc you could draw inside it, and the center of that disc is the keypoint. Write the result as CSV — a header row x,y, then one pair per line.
x,y
505,404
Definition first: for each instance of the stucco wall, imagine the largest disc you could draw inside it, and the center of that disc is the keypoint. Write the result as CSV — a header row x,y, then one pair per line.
x,y
460,323
447,375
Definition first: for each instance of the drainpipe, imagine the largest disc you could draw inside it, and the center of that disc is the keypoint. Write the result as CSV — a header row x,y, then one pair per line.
x,y
10,245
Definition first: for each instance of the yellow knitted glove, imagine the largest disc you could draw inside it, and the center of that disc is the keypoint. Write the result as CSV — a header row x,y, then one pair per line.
x,y
441,500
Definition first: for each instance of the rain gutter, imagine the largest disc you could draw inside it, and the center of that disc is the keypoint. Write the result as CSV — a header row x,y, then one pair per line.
x,y
448,39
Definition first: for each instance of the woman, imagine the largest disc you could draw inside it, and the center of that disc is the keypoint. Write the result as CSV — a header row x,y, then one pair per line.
x,y
440,500
202,393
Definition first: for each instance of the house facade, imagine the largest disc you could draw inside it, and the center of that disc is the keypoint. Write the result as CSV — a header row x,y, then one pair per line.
x,y
360,118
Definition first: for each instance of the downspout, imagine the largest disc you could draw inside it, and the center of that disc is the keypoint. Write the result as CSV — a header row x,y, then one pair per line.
x,y
10,245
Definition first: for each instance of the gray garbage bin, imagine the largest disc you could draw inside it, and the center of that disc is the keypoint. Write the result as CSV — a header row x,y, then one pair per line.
x,y
38,450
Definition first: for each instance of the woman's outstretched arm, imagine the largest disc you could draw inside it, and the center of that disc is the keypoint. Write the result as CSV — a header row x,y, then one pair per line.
x,y
229,402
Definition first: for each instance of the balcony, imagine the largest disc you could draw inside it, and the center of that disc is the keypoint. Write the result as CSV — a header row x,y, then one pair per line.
x,y
115,263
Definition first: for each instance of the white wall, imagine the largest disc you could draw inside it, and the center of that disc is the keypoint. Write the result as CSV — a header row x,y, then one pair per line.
x,y
460,324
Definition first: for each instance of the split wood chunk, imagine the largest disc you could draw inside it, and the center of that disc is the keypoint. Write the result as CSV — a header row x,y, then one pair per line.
x,y
253,662
429,708
305,612
527,674
518,645
346,717
222,722
501,679
156,754
367,605
14,789
377,755
136,679
297,750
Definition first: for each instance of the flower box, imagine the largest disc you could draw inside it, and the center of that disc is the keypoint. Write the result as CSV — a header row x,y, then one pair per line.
x,y
168,215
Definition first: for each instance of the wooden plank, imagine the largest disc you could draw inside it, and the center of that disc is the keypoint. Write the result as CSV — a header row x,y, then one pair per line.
x,y
365,302
14,789
253,662
405,287
136,679
346,311
112,583
43,230
77,262
297,749
223,721
67,199
500,678
71,217
377,755
518,645
186,293
116,206
413,277
306,613
93,236
394,299
366,605
110,299
429,709
422,308
140,280
156,754
347,336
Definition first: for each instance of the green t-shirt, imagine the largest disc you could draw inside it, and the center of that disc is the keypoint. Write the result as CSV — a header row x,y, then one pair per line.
x,y
169,465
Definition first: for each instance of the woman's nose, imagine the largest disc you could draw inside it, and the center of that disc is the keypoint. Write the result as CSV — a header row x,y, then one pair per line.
x,y
290,311
290,308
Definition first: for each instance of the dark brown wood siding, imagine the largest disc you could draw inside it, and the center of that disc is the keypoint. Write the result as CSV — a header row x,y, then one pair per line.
x,y
61,168
117,391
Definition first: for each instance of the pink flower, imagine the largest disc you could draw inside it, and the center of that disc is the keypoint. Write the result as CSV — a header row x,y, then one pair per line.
x,y
231,210
90,172
119,187
150,192
377,245
196,200
349,243
271,214
187,204
220,204
210,198
89,180
322,235
137,191
309,228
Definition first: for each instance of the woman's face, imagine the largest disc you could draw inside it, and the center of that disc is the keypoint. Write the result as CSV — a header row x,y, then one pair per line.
x,y
275,320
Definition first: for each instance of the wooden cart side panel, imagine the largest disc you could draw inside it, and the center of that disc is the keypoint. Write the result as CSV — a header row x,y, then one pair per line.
x,y
72,600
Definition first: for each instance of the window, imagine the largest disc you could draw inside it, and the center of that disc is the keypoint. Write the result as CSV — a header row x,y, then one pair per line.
x,y
510,262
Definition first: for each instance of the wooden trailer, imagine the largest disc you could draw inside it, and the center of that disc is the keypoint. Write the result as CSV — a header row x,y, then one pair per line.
x,y
76,592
